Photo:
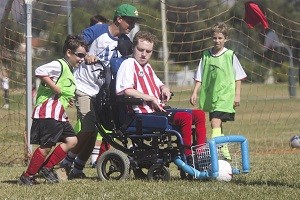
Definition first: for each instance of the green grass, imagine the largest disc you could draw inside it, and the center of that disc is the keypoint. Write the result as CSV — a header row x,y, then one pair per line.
x,y
267,117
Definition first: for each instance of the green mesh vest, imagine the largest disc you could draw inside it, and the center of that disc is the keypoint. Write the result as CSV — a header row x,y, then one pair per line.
x,y
218,83
66,83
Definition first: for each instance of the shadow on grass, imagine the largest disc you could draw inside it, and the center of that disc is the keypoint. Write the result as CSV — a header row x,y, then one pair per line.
x,y
43,181
266,183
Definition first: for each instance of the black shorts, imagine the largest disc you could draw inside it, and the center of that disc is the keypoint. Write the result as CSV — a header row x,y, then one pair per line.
x,y
224,116
48,132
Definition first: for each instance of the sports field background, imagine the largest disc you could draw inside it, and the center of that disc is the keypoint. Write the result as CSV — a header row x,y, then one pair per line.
x,y
268,117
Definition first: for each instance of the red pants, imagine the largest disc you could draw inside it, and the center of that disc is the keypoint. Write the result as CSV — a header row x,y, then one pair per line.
x,y
185,120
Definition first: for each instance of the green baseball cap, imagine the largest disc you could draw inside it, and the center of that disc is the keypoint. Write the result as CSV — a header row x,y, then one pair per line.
x,y
127,10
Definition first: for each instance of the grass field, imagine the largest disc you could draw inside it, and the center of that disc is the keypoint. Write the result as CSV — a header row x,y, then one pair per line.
x,y
266,117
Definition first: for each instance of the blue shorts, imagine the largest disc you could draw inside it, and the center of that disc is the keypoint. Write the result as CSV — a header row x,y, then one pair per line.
x,y
48,132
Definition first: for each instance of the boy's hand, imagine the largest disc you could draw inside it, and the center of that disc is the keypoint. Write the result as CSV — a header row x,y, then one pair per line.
x,y
90,59
156,105
193,99
166,94
237,100
71,103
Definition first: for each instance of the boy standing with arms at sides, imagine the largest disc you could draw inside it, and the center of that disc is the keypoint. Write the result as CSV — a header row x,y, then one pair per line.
x,y
219,75
50,122
103,41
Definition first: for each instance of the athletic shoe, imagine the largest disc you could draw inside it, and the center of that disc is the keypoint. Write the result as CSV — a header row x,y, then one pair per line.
x,y
63,172
49,175
27,180
79,175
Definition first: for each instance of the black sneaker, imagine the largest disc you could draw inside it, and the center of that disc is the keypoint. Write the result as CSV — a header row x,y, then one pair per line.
x,y
27,180
73,175
49,175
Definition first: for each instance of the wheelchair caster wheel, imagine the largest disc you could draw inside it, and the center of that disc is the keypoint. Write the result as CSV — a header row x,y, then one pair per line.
x,y
158,172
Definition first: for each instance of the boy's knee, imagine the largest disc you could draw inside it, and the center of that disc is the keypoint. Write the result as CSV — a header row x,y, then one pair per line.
x,y
71,142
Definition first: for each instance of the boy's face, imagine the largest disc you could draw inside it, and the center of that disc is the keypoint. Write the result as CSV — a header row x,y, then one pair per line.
x,y
77,57
219,41
126,24
142,51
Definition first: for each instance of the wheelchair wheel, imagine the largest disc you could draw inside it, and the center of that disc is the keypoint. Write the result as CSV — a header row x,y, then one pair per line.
x,y
113,165
158,172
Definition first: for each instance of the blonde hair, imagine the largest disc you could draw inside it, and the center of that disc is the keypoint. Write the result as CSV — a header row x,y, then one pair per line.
x,y
220,27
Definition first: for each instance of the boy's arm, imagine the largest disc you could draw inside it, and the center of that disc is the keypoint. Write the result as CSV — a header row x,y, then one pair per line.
x,y
136,94
195,91
47,80
237,98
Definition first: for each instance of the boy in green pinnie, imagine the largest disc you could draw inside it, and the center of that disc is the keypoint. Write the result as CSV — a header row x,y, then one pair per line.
x,y
50,122
219,76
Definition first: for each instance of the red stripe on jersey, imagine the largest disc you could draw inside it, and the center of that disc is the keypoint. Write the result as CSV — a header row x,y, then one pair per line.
x,y
61,112
140,79
53,106
150,77
43,110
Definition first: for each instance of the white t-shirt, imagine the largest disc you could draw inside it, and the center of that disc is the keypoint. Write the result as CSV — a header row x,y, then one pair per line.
x,y
238,69
103,45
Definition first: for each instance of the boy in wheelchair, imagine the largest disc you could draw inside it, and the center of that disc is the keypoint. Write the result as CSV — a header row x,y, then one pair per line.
x,y
136,78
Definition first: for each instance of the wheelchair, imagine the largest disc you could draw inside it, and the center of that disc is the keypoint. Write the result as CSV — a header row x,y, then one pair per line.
x,y
146,144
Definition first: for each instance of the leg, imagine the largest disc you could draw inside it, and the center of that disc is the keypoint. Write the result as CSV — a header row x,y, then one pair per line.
x,y
199,122
69,140
6,99
184,120
217,131
104,147
85,125
96,150
35,164
84,155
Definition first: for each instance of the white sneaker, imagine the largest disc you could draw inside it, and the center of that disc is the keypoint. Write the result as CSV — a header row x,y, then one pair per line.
x,y
6,106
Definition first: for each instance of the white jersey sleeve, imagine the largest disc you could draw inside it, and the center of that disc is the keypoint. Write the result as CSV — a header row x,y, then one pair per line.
x,y
52,69
125,76
238,69
198,73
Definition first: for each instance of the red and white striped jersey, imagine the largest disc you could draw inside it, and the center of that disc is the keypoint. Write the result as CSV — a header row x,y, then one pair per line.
x,y
132,75
51,108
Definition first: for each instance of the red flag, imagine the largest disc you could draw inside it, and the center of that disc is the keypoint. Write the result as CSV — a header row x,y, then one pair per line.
x,y
254,15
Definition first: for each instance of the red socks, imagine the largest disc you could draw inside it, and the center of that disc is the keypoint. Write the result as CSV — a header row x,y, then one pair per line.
x,y
57,155
36,163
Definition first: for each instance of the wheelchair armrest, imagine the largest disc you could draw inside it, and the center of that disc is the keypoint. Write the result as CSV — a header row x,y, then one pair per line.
x,y
129,100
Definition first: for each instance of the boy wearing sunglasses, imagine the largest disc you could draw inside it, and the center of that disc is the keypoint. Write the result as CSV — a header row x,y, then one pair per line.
x,y
50,122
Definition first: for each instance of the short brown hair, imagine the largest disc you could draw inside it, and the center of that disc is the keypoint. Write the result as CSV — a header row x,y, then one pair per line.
x,y
72,42
220,27
144,35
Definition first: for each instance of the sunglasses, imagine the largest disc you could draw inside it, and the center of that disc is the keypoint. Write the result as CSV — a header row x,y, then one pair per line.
x,y
79,55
